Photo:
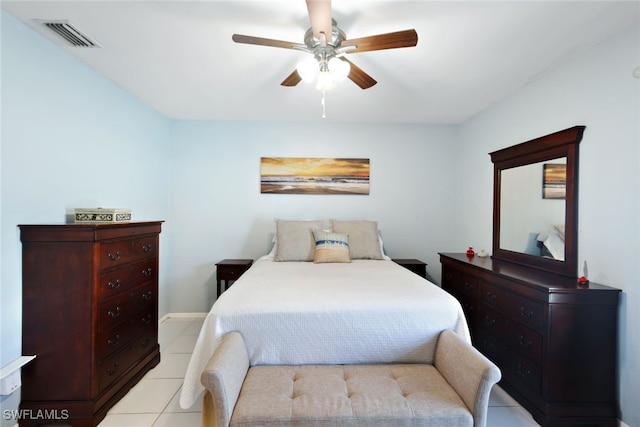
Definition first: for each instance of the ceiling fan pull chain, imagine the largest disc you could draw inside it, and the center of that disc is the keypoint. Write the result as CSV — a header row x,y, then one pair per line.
x,y
323,103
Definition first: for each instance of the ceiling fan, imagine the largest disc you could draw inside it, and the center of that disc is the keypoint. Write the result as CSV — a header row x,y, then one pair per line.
x,y
328,44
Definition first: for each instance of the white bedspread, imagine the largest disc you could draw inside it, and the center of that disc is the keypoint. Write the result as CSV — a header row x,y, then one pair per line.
x,y
302,313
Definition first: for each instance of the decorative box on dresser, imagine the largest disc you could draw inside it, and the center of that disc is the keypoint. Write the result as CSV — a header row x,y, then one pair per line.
x,y
89,314
555,341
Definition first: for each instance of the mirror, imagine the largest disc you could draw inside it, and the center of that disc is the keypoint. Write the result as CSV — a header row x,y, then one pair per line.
x,y
532,205
535,202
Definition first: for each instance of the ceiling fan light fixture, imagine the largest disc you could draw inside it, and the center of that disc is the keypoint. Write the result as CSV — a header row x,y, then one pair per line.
x,y
325,81
339,69
308,69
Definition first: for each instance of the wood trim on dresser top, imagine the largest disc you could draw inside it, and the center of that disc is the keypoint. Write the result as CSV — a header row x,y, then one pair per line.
x,y
555,341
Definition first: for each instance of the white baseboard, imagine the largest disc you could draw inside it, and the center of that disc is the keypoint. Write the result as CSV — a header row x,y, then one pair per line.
x,y
623,424
182,316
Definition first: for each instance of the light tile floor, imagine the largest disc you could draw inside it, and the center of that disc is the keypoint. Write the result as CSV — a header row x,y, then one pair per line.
x,y
153,402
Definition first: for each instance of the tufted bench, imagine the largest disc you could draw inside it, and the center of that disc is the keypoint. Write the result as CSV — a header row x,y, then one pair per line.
x,y
454,391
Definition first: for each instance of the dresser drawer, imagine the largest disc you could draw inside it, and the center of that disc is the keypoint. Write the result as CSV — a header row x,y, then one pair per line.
x,y
469,307
493,321
124,359
112,339
230,272
145,296
514,366
492,347
524,371
460,284
123,306
515,335
520,309
115,310
113,254
126,277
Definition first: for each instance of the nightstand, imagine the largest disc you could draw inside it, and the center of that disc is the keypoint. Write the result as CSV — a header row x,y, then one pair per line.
x,y
230,270
415,265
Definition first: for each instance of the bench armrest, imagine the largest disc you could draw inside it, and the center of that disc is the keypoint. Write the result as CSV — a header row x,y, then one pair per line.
x,y
222,378
469,373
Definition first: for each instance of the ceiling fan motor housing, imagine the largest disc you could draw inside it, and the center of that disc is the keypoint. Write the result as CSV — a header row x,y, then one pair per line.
x,y
323,48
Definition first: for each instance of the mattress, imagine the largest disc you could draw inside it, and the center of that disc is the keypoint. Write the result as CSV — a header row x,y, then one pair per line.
x,y
291,313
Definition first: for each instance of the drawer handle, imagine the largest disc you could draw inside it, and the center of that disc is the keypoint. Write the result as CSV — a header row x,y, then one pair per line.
x,y
468,286
114,285
525,344
487,345
114,314
523,372
147,272
526,314
145,342
448,276
147,248
146,320
115,257
112,372
490,296
112,342
147,295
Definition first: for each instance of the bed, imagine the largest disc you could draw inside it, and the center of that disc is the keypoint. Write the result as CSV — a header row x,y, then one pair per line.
x,y
355,311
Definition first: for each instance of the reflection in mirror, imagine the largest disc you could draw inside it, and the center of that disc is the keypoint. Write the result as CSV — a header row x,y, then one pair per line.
x,y
530,221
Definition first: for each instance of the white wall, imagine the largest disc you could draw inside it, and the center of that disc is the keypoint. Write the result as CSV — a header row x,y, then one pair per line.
x,y
595,89
70,138
217,210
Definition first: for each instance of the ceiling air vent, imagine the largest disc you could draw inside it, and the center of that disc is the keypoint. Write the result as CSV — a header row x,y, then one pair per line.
x,y
67,31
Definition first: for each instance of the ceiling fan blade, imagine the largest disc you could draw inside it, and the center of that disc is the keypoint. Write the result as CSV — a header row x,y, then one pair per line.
x,y
359,77
406,38
320,17
292,80
239,38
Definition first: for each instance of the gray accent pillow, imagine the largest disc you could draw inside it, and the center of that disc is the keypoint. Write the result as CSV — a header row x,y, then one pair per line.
x,y
363,238
294,240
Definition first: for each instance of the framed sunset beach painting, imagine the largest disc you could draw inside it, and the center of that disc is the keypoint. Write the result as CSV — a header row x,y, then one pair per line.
x,y
313,175
554,181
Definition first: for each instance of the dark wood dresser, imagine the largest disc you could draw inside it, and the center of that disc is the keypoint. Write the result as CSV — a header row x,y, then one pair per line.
x,y
89,314
554,341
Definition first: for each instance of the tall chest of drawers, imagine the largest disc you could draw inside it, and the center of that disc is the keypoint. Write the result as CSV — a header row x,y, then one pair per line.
x,y
554,341
89,314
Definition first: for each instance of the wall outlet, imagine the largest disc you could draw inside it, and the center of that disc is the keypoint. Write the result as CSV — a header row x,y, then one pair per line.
x,y
10,383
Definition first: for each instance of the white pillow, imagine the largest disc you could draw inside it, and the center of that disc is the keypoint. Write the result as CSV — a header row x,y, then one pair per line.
x,y
364,242
560,229
554,243
294,240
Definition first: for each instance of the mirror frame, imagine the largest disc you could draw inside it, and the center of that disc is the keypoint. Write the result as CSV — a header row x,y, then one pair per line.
x,y
564,143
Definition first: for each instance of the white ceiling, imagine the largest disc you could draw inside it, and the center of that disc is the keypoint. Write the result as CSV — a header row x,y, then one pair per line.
x,y
178,56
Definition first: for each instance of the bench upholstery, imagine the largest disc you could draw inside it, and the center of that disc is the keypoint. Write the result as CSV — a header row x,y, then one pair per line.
x,y
454,391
